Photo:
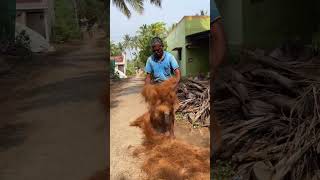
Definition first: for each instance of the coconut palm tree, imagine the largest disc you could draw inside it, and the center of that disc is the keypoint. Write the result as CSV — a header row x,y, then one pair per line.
x,y
121,47
203,13
127,41
137,5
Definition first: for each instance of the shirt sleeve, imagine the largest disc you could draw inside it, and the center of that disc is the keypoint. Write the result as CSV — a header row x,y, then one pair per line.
x,y
214,12
173,62
148,68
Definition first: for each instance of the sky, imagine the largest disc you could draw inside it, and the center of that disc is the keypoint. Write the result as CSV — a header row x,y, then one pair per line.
x,y
171,12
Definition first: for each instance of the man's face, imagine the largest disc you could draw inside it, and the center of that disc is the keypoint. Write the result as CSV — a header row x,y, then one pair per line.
x,y
157,50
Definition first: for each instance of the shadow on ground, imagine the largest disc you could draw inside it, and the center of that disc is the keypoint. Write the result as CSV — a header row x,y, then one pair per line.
x,y
130,90
117,90
87,87
12,135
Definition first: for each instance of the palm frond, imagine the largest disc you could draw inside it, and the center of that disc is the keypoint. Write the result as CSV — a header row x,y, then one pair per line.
x,y
156,2
137,5
121,5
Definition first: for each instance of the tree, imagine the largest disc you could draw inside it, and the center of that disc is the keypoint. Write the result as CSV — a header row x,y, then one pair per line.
x,y
75,6
121,47
137,5
115,49
140,43
65,26
68,13
93,10
172,27
130,68
127,41
202,13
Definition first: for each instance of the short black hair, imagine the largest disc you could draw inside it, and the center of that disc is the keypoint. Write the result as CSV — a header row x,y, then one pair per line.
x,y
156,40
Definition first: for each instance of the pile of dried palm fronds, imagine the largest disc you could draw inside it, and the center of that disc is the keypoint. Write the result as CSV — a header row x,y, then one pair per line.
x,y
194,101
270,115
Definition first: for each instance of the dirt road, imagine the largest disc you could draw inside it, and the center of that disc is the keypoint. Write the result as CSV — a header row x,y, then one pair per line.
x,y
126,105
52,124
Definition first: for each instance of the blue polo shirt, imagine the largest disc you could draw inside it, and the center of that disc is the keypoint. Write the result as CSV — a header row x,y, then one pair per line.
x,y
161,70
214,12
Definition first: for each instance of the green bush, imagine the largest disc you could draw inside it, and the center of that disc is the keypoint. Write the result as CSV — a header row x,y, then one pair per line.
x,y
20,46
131,69
64,32
66,26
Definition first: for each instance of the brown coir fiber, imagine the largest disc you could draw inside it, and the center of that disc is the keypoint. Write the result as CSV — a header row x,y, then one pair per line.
x,y
168,158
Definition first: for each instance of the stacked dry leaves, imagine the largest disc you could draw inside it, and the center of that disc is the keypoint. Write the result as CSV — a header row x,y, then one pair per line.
x,y
194,97
269,112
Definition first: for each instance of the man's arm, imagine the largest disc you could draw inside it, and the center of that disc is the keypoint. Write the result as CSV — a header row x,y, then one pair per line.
x,y
218,41
177,74
175,66
148,79
148,70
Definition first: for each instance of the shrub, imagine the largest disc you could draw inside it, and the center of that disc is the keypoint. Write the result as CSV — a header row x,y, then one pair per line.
x,y
19,47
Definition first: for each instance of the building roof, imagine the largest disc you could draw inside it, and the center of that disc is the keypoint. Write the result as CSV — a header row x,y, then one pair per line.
x,y
197,40
187,17
31,4
198,36
118,59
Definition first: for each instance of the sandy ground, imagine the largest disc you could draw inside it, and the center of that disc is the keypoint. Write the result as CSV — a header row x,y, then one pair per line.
x,y
52,123
126,105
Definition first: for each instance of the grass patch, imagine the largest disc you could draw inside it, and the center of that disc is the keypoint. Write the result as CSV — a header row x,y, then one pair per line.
x,y
179,116
222,170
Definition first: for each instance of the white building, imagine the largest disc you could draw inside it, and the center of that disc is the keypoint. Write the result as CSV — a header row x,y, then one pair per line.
x,y
38,15
120,62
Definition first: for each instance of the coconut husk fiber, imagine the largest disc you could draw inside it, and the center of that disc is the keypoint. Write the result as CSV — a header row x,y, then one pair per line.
x,y
167,157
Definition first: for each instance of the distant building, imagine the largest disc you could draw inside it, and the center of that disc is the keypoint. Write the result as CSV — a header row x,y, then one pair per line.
x,y
38,15
120,62
188,41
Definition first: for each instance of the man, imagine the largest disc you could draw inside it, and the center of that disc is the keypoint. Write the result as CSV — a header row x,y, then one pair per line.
x,y
159,67
161,64
217,55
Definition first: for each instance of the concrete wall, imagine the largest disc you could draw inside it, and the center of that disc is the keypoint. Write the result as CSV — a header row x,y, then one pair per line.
x,y
199,56
42,22
267,23
316,15
195,24
176,38
31,4
36,21
21,17
232,15
200,60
